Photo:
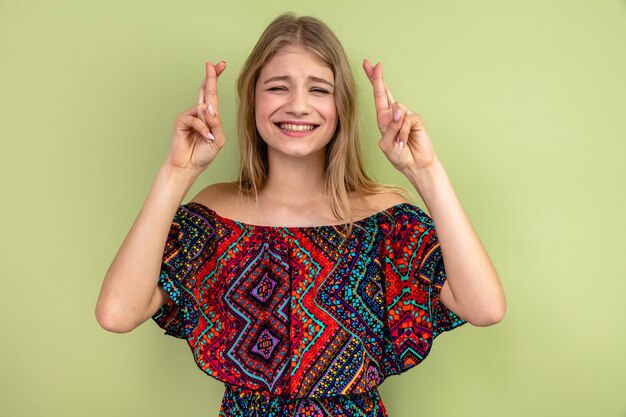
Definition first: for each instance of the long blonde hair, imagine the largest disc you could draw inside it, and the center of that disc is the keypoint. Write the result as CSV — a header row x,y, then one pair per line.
x,y
344,170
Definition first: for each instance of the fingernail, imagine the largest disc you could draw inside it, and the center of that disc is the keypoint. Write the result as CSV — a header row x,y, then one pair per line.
x,y
396,115
211,110
210,136
401,145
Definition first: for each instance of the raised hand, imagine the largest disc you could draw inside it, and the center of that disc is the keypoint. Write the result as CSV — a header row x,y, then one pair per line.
x,y
404,140
198,134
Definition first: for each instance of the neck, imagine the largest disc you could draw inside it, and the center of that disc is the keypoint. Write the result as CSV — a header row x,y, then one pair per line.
x,y
295,182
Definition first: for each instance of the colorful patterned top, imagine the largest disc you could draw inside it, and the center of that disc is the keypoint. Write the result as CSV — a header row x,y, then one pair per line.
x,y
299,321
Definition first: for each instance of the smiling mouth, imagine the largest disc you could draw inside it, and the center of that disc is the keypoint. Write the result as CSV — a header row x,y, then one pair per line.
x,y
287,127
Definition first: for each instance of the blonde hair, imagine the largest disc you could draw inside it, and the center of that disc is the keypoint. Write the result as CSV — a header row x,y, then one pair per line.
x,y
344,170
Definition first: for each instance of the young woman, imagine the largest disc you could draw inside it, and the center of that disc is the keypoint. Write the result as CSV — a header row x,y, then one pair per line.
x,y
303,284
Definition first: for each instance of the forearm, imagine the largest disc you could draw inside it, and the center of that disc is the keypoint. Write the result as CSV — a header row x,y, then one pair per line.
x,y
132,278
472,277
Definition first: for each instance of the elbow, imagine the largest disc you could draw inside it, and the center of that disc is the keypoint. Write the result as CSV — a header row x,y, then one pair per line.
x,y
111,322
491,316
492,310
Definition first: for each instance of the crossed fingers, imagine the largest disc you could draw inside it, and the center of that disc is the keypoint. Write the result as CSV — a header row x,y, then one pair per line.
x,y
395,121
208,91
382,96
208,87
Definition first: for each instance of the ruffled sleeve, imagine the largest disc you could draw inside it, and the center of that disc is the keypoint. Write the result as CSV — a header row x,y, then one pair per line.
x,y
189,244
414,276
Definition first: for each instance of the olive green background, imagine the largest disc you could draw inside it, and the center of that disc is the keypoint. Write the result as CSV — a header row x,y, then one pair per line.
x,y
525,103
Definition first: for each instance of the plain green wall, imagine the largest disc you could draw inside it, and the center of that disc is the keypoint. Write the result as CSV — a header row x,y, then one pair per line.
x,y
526,106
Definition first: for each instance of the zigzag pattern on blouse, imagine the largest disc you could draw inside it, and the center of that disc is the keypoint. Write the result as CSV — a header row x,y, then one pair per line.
x,y
303,312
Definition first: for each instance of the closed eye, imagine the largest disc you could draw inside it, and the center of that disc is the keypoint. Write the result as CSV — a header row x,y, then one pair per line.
x,y
276,89
320,90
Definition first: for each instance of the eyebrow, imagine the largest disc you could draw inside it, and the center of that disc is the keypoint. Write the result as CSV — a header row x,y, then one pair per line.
x,y
286,77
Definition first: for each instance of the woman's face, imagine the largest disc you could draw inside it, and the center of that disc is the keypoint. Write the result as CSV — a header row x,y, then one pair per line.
x,y
295,103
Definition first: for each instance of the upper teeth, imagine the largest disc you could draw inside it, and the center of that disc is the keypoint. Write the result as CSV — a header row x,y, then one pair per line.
x,y
299,128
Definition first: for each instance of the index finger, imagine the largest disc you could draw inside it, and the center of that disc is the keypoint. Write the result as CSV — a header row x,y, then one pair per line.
x,y
201,91
375,75
210,87
389,96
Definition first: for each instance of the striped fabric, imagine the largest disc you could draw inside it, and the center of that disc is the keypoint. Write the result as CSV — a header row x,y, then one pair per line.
x,y
300,321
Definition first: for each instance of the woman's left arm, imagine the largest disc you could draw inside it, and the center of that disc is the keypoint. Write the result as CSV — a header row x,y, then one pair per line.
x,y
472,289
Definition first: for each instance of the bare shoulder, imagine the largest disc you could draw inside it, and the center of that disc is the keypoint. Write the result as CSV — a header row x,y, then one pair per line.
x,y
389,199
218,196
382,201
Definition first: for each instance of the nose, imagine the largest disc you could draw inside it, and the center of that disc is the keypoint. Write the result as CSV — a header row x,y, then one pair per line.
x,y
298,103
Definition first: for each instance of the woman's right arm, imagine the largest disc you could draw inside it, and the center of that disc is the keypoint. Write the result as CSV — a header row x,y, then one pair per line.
x,y
129,291
130,294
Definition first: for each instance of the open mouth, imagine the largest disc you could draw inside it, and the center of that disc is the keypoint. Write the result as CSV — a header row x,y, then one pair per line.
x,y
291,128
